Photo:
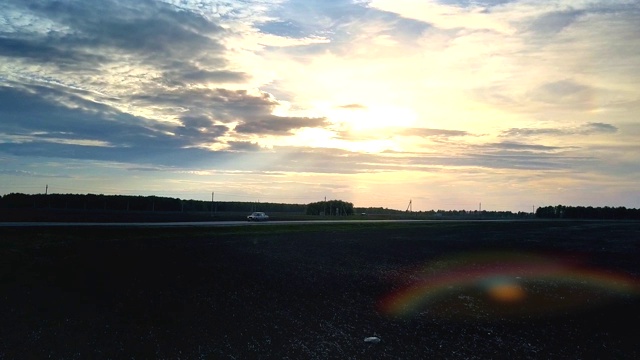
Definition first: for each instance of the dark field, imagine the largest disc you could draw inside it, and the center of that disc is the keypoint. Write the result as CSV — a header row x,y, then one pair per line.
x,y
538,290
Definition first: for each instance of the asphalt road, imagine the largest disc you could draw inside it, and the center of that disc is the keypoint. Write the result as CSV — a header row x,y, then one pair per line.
x,y
233,223
203,223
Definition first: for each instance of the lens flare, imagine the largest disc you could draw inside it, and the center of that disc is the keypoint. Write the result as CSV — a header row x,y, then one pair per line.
x,y
504,283
506,292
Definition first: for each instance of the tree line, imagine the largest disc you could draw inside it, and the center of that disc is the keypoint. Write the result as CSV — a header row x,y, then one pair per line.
x,y
95,202
587,212
100,202
331,207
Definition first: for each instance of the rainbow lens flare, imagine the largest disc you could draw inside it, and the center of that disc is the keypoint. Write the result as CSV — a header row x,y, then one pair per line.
x,y
504,284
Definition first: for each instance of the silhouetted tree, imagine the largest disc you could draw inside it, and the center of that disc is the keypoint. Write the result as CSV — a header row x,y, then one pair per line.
x,y
332,207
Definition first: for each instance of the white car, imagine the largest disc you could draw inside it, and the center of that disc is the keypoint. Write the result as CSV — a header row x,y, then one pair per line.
x,y
258,216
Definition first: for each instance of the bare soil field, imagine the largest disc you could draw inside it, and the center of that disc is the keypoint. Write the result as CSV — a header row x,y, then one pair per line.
x,y
442,290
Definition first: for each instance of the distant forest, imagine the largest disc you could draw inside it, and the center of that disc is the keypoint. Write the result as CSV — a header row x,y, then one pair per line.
x,y
157,204
588,212
137,203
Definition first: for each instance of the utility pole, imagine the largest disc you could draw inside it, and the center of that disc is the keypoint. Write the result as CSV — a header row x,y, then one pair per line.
x,y
410,207
46,189
480,207
212,195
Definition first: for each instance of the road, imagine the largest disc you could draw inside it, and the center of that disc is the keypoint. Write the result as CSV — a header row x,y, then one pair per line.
x,y
202,223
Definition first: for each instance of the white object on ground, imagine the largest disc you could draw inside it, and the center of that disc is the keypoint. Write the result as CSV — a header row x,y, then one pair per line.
x,y
372,339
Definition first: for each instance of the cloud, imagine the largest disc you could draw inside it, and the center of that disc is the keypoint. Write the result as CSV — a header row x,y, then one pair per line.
x,y
139,154
144,26
277,125
40,113
288,28
594,128
200,130
252,111
449,14
243,157
146,169
515,146
30,174
563,92
243,146
502,155
84,35
352,106
182,77
586,129
475,3
521,161
117,48
424,132
342,22
40,51
552,23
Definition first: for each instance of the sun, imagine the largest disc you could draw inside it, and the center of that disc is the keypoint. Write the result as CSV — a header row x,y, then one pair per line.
x,y
377,117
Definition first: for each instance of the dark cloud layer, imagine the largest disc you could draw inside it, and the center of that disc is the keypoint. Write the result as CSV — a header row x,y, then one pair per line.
x,y
144,26
36,113
42,51
277,125
252,111
243,146
90,35
178,49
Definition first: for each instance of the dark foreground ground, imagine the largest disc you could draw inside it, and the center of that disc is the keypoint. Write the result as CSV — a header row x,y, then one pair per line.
x,y
538,290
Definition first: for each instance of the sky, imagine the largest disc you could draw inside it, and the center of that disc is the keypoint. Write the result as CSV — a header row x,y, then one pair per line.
x,y
448,104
